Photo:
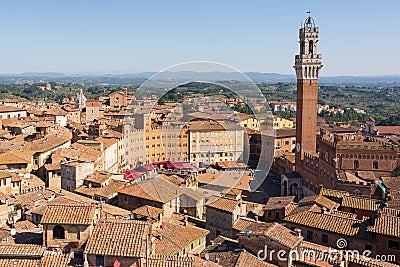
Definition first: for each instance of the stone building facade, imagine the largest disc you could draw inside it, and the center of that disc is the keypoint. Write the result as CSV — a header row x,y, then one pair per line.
x,y
68,225
73,173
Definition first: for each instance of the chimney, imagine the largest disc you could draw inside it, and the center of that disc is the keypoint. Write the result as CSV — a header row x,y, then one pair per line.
x,y
378,213
186,221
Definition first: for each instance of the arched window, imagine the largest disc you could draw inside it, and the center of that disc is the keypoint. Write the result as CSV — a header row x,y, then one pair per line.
x,y
311,47
375,165
58,232
356,164
303,44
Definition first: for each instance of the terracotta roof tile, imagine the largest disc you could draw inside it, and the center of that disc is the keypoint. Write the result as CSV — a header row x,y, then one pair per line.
x,y
224,250
111,238
246,259
242,224
156,189
276,232
10,109
386,225
320,201
108,191
52,260
176,237
225,204
21,250
391,212
179,261
48,260
326,192
6,234
388,130
361,203
12,158
98,177
148,211
107,142
278,202
69,214
331,223
231,164
34,199
25,226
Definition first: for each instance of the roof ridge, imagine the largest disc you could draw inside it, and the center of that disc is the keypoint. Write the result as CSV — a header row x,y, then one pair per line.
x,y
155,188
326,215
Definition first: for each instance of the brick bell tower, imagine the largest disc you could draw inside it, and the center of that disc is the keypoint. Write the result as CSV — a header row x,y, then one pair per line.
x,y
307,65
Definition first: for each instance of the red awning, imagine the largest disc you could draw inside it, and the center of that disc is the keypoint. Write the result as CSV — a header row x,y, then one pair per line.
x,y
132,174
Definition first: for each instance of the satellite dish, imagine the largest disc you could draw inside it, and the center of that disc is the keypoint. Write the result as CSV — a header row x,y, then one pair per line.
x,y
207,256
13,231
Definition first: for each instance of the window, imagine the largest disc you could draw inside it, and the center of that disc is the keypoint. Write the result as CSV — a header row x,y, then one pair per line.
x,y
356,164
324,239
375,165
58,232
277,214
100,260
310,235
393,244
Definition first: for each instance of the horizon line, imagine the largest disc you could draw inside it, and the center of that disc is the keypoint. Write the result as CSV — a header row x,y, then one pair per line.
x,y
148,71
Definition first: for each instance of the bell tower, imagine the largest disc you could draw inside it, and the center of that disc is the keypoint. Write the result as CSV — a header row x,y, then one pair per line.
x,y
307,65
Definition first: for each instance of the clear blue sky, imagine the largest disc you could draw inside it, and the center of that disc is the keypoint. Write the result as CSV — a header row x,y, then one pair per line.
x,y
356,37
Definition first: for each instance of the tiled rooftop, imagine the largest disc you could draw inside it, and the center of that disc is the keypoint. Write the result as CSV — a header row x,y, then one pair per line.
x,y
179,261
69,214
48,260
21,250
98,177
159,189
242,224
361,203
386,225
278,202
331,223
320,201
276,232
333,193
148,211
246,260
225,204
119,238
176,237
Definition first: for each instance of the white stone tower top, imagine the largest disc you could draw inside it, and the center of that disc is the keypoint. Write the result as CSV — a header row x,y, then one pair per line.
x,y
308,63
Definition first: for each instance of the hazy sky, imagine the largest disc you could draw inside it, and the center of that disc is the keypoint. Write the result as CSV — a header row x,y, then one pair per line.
x,y
356,37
